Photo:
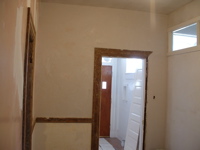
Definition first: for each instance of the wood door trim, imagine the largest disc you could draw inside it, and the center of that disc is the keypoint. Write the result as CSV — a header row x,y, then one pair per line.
x,y
34,123
63,120
27,123
98,54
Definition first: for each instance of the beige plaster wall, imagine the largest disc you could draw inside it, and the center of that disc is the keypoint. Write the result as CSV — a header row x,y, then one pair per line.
x,y
183,110
50,136
183,102
185,13
13,14
34,5
67,36
12,44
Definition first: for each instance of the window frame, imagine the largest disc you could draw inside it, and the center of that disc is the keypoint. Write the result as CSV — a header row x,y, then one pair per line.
x,y
182,25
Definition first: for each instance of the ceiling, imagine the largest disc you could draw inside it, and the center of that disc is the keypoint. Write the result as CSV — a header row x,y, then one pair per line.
x,y
161,6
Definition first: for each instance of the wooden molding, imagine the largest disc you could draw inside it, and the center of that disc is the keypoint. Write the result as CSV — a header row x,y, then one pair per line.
x,y
63,120
104,52
27,124
34,122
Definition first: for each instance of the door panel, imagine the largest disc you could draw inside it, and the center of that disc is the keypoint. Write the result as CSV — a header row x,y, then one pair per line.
x,y
135,127
105,101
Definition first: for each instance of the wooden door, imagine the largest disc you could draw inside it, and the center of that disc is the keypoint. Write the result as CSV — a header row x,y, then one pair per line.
x,y
134,135
105,101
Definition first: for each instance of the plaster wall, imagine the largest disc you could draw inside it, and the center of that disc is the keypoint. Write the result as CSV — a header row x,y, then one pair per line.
x,y
51,136
184,13
67,36
183,102
13,17
183,90
12,44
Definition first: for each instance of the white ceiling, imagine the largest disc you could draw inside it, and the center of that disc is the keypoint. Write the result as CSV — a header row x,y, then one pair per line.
x,y
161,6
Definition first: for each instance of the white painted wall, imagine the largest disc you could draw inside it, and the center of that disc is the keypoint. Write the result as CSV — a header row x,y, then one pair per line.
x,y
12,44
183,110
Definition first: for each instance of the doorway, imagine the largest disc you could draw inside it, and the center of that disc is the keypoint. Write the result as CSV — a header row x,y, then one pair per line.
x,y
99,53
122,102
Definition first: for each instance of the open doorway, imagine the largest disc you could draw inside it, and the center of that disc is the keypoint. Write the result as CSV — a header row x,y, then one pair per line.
x,y
98,85
122,103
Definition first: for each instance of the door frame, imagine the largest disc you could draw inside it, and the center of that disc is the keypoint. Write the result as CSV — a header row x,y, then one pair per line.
x,y
118,53
27,123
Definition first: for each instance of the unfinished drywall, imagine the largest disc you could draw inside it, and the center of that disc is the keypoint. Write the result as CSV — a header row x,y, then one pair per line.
x,y
183,110
67,36
12,44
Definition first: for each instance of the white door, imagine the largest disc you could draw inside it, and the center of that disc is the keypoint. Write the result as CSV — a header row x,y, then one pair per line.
x,y
134,135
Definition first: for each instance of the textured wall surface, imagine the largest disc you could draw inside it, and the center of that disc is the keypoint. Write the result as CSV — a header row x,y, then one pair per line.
x,y
62,136
67,36
185,13
183,90
183,102
12,44
13,18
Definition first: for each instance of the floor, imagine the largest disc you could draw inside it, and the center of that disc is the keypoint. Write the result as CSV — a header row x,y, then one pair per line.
x,y
110,144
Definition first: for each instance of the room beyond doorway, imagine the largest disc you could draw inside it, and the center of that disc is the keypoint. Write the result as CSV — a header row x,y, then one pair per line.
x,y
122,78
99,54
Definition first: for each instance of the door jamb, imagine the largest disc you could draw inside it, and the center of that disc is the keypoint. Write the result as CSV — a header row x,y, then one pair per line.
x,y
27,123
104,52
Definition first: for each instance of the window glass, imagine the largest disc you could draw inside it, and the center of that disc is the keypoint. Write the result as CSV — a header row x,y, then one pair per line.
x,y
185,37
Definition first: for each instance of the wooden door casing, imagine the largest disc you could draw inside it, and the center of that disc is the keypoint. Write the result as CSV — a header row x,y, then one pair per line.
x,y
27,125
116,53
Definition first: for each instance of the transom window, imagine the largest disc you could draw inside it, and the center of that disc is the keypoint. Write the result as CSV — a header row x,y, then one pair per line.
x,y
185,37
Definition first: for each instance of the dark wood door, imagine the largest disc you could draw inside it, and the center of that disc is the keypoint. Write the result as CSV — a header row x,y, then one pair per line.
x,y
105,101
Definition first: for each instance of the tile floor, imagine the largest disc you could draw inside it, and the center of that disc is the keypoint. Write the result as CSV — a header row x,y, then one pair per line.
x,y
105,145
110,144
